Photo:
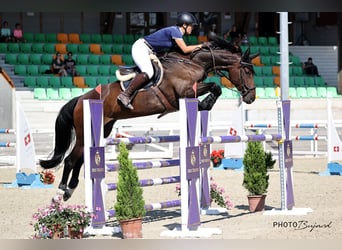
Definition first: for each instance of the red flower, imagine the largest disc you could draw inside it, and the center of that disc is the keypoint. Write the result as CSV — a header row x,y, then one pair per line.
x,y
216,157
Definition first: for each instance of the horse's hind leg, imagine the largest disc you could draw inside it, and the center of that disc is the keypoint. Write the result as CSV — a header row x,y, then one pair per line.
x,y
73,183
208,102
73,162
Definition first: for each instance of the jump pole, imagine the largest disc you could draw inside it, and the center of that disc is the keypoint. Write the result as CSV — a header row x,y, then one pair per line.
x,y
285,148
190,173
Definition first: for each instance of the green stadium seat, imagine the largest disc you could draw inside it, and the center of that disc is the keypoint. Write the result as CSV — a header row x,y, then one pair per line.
x,y
92,70
43,68
297,71
55,81
32,70
37,47
66,82
51,38
291,81
292,92
268,81
90,81
295,60
270,92
107,38
264,50
101,80
272,41
3,47
85,38
267,71
215,79
106,59
118,38
94,59
25,47
253,40
127,59
117,48
49,48
52,93
43,81
299,81
322,92
266,60
30,81
274,50
81,69
47,59
29,37
263,41
112,70
258,81
20,70
332,92
23,59
301,92
106,48
82,59
254,49
275,60
35,58
83,49
64,93
128,38
11,58
309,81
13,47
319,81
258,70
311,92
260,92
127,49
72,47
40,94
104,70
112,78
76,92
39,38
226,94
95,38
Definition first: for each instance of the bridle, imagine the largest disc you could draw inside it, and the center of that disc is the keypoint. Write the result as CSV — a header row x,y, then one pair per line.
x,y
244,90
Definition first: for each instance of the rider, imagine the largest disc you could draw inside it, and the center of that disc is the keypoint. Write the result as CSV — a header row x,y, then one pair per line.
x,y
163,39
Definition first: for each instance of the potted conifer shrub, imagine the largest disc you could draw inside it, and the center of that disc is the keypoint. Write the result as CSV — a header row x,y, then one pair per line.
x,y
129,206
255,178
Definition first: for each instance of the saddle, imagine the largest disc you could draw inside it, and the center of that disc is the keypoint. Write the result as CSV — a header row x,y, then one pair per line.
x,y
125,74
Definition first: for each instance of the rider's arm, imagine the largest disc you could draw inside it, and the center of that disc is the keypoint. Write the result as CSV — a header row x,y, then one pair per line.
x,y
186,48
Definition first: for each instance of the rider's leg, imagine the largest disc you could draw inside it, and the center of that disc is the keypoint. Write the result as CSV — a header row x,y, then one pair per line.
x,y
138,82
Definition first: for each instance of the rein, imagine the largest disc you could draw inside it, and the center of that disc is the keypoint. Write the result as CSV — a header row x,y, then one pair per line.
x,y
245,89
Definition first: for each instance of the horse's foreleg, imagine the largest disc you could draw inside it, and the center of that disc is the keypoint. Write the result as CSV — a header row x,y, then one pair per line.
x,y
208,102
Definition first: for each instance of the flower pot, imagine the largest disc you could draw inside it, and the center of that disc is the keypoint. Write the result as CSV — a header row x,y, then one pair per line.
x,y
57,232
131,228
74,234
256,202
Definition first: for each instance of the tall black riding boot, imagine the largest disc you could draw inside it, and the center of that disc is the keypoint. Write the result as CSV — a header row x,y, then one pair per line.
x,y
138,82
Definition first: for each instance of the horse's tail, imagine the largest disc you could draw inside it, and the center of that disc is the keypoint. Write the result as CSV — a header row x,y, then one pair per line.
x,y
63,135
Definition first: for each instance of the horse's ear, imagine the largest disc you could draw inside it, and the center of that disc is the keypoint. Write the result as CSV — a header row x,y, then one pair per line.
x,y
212,36
254,56
245,55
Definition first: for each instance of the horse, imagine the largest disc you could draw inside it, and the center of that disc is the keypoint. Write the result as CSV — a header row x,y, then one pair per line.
x,y
183,77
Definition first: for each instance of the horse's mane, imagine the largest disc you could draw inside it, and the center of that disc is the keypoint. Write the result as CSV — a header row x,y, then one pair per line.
x,y
220,43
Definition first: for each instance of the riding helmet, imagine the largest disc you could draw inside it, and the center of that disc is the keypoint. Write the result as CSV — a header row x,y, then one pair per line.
x,y
186,18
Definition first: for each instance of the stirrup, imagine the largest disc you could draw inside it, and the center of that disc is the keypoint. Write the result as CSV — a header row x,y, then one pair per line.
x,y
127,105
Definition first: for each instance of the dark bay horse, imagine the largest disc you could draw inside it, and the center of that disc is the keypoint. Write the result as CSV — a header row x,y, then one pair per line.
x,y
182,78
